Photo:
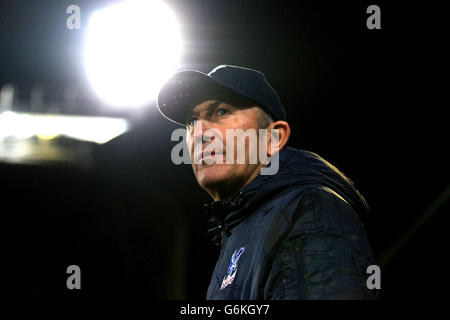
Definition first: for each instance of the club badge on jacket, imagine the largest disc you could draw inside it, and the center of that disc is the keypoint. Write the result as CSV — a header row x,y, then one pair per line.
x,y
232,268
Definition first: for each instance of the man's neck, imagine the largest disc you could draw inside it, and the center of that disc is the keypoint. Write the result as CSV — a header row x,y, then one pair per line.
x,y
227,191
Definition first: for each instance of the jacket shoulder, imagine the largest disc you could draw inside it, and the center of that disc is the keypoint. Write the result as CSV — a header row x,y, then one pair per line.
x,y
321,211
325,253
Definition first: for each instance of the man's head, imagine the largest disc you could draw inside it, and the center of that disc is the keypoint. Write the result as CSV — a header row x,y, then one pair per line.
x,y
228,126
223,113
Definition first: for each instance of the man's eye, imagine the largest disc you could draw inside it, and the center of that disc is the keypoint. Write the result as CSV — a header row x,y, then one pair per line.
x,y
190,122
222,111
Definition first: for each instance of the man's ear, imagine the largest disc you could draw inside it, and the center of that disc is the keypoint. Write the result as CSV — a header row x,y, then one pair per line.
x,y
275,145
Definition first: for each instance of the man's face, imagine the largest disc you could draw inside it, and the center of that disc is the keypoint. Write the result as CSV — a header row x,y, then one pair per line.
x,y
220,179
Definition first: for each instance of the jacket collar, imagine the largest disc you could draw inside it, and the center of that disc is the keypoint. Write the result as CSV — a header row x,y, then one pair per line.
x,y
225,214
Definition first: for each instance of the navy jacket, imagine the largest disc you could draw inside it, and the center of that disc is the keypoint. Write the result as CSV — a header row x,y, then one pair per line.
x,y
292,235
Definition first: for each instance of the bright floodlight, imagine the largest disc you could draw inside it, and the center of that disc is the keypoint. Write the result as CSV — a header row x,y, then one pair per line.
x,y
131,48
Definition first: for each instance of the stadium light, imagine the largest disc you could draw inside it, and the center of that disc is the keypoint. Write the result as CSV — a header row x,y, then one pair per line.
x,y
131,48
22,126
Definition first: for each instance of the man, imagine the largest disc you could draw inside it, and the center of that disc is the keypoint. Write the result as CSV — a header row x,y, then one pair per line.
x,y
292,234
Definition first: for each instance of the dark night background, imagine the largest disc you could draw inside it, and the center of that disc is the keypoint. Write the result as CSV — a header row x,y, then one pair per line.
x,y
133,221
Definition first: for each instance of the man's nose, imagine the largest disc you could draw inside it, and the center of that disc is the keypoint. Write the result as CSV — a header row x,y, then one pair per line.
x,y
203,131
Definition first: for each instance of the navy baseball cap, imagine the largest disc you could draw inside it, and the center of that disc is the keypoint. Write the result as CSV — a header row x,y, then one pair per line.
x,y
187,88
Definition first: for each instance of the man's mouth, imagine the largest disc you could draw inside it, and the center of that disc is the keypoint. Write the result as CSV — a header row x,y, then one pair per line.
x,y
210,154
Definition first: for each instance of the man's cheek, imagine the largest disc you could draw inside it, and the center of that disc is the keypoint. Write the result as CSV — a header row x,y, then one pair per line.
x,y
190,147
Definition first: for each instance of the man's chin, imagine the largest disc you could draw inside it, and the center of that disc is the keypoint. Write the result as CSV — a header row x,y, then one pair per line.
x,y
212,175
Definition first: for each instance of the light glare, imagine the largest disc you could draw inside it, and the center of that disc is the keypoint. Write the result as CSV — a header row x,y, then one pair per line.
x,y
131,49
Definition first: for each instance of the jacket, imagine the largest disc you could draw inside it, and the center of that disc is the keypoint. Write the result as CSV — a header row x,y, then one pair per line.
x,y
293,235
